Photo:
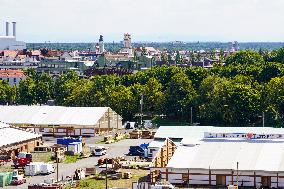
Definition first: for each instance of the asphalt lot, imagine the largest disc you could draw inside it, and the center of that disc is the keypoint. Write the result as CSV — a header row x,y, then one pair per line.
x,y
116,149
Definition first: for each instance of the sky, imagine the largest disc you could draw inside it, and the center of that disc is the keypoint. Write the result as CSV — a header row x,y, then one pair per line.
x,y
145,20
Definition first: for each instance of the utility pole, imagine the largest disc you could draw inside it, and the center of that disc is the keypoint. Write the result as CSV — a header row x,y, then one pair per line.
x,y
106,171
141,109
263,119
237,174
57,165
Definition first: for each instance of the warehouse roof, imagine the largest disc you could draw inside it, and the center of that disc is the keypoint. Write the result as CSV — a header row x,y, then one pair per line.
x,y
252,155
52,115
10,135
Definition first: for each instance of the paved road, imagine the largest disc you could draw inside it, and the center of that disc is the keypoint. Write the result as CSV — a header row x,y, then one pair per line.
x,y
116,149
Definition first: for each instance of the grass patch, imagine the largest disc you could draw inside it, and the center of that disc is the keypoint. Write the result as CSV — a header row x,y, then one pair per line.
x,y
91,183
42,156
71,159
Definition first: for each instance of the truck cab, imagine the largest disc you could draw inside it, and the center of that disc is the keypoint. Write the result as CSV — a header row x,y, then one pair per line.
x,y
25,155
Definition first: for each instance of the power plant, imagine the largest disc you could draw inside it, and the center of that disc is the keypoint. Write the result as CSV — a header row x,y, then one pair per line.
x,y
9,42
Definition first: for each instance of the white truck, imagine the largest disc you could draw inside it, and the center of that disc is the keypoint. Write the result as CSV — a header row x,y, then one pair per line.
x,y
38,168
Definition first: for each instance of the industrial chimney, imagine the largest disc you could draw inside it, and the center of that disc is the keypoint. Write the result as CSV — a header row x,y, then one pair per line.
x,y
14,29
7,28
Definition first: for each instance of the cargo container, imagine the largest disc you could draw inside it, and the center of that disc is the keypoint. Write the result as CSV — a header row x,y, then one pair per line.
x,y
5,178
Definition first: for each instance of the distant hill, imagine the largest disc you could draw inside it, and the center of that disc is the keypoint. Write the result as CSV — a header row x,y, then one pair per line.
x,y
113,47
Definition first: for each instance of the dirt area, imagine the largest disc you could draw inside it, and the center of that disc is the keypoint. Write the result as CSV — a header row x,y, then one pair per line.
x,y
90,183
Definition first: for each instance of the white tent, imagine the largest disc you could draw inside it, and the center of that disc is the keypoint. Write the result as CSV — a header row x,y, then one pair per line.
x,y
54,115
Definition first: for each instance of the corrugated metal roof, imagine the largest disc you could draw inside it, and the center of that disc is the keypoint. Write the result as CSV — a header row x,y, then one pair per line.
x,y
52,115
10,135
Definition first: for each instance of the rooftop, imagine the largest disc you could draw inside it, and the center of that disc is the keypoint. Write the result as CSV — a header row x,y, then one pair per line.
x,y
52,115
10,135
251,155
12,73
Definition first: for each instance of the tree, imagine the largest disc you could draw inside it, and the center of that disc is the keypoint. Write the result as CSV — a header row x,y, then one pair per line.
x,y
4,92
82,95
12,95
27,91
274,97
42,92
154,96
180,95
277,55
64,86
244,57
121,100
234,101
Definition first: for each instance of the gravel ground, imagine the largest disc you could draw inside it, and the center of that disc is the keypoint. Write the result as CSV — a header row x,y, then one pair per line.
x,y
116,149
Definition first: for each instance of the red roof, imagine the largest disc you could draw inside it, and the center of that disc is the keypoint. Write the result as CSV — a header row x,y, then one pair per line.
x,y
12,73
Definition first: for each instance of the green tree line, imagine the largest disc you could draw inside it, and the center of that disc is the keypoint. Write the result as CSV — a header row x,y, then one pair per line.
x,y
235,94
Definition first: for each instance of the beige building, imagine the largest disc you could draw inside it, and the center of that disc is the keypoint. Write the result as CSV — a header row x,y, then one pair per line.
x,y
15,140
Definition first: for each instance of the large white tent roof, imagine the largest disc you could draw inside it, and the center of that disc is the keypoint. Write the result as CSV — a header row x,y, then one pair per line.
x,y
52,115
252,155
197,132
10,135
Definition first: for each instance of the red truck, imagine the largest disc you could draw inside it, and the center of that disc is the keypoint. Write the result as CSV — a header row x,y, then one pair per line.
x,y
22,159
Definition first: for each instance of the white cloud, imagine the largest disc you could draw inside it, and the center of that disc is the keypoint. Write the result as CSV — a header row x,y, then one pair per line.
x,y
188,20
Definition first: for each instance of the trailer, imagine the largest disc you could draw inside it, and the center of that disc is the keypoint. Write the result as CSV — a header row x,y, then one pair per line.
x,y
47,168
33,169
39,168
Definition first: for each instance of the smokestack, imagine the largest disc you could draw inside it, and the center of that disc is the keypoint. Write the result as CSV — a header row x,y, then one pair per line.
x,y
7,28
14,29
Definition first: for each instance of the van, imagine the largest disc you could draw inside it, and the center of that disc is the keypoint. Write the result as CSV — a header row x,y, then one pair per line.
x,y
99,151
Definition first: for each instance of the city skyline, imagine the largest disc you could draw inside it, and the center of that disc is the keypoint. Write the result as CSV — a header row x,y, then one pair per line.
x,y
159,20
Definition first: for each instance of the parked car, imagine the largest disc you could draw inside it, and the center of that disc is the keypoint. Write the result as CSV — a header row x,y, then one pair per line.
x,y
99,151
136,151
18,179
